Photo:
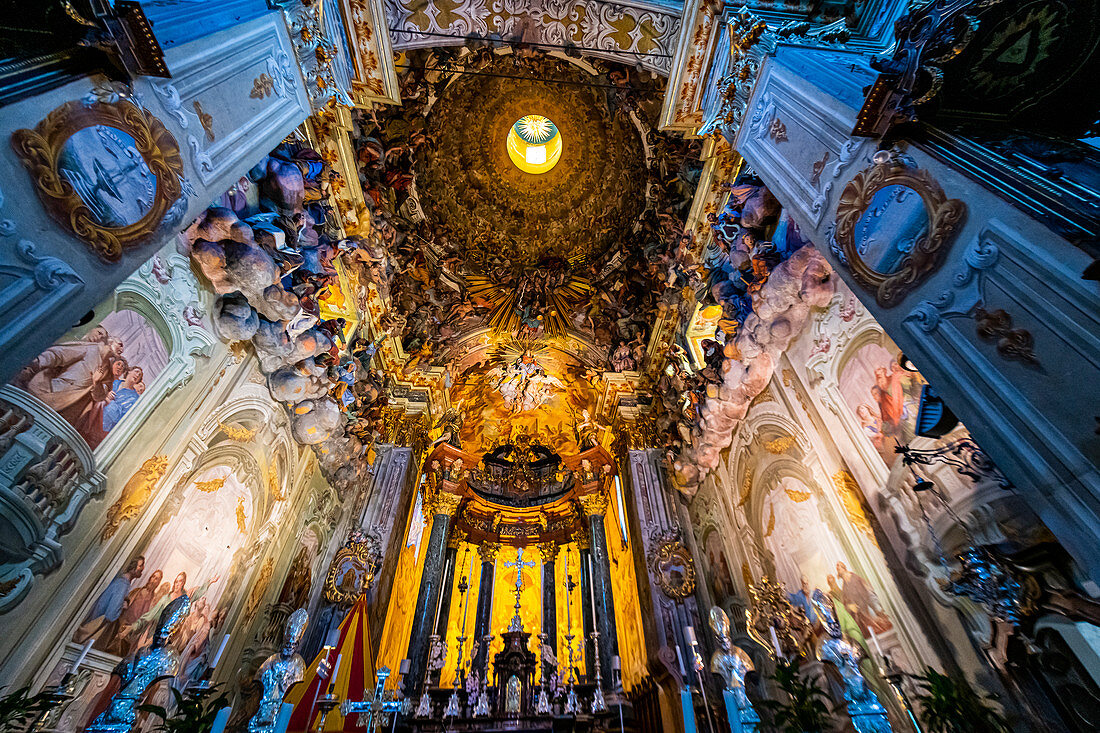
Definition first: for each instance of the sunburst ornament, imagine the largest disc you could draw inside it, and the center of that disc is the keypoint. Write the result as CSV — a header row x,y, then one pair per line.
x,y
534,144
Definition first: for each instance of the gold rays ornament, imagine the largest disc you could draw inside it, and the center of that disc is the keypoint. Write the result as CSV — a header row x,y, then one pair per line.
x,y
796,495
210,486
780,445
238,433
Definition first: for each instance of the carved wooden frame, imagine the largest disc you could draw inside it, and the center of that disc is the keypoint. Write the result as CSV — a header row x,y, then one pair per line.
x,y
670,551
944,219
40,148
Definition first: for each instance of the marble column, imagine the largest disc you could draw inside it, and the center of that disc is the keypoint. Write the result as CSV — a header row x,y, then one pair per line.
x,y
488,553
446,588
441,507
595,506
587,621
549,552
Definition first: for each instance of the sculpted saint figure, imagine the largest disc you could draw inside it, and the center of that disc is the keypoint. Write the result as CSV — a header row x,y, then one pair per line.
x,y
279,672
732,669
150,664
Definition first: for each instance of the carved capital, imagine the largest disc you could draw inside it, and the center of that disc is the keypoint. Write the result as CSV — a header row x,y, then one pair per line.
x,y
594,505
549,551
488,551
445,503
581,538
458,536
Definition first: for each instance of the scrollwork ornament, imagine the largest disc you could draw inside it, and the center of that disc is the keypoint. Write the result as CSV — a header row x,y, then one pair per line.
x,y
353,570
919,258
674,569
109,172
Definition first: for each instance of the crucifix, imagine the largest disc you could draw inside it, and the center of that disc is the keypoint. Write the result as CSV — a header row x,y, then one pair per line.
x,y
371,712
519,565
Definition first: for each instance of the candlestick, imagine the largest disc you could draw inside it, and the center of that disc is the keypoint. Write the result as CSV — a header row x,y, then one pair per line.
x,y
83,653
218,656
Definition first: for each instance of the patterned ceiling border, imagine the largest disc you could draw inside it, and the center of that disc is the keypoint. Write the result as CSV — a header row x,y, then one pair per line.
x,y
624,32
694,47
375,77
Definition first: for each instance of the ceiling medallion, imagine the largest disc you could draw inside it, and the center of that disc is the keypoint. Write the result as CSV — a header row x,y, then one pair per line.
x,y
534,144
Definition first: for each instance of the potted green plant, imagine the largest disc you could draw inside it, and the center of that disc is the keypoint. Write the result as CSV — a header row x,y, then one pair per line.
x,y
806,710
20,707
193,713
950,705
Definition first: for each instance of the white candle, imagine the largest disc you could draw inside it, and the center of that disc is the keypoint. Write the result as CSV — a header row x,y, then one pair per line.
x,y
466,602
335,670
439,600
874,641
283,721
220,720
83,653
218,656
592,590
775,643
680,660
689,631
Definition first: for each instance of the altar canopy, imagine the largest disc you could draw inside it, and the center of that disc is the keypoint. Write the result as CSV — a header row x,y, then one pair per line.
x,y
354,678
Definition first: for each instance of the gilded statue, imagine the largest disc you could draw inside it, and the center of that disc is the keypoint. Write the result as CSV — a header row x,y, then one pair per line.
x,y
134,495
154,662
732,668
279,672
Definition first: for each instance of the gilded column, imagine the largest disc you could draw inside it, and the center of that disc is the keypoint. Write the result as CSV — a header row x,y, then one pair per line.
x,y
549,552
441,506
488,553
602,599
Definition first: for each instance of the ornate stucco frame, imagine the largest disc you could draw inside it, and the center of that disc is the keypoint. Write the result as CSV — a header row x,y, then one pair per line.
x,y
40,148
945,216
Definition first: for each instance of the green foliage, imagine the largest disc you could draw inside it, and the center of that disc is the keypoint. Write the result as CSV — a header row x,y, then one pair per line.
x,y
807,709
19,708
950,705
192,713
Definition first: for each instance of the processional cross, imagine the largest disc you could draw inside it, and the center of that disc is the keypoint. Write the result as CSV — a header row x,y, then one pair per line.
x,y
370,712
519,565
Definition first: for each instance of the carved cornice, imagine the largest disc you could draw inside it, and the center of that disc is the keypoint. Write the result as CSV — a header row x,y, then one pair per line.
x,y
594,505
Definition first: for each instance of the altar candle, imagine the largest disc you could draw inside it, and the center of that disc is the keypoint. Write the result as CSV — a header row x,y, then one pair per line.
x,y
335,671
439,601
83,653
680,660
689,631
218,656
775,643
220,720
283,721
874,641
592,589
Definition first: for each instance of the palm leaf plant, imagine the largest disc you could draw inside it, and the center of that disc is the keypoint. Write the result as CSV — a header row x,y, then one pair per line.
x,y
18,708
950,705
806,710
193,712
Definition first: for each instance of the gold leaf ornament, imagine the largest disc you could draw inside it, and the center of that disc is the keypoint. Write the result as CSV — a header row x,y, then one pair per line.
x,y
211,485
